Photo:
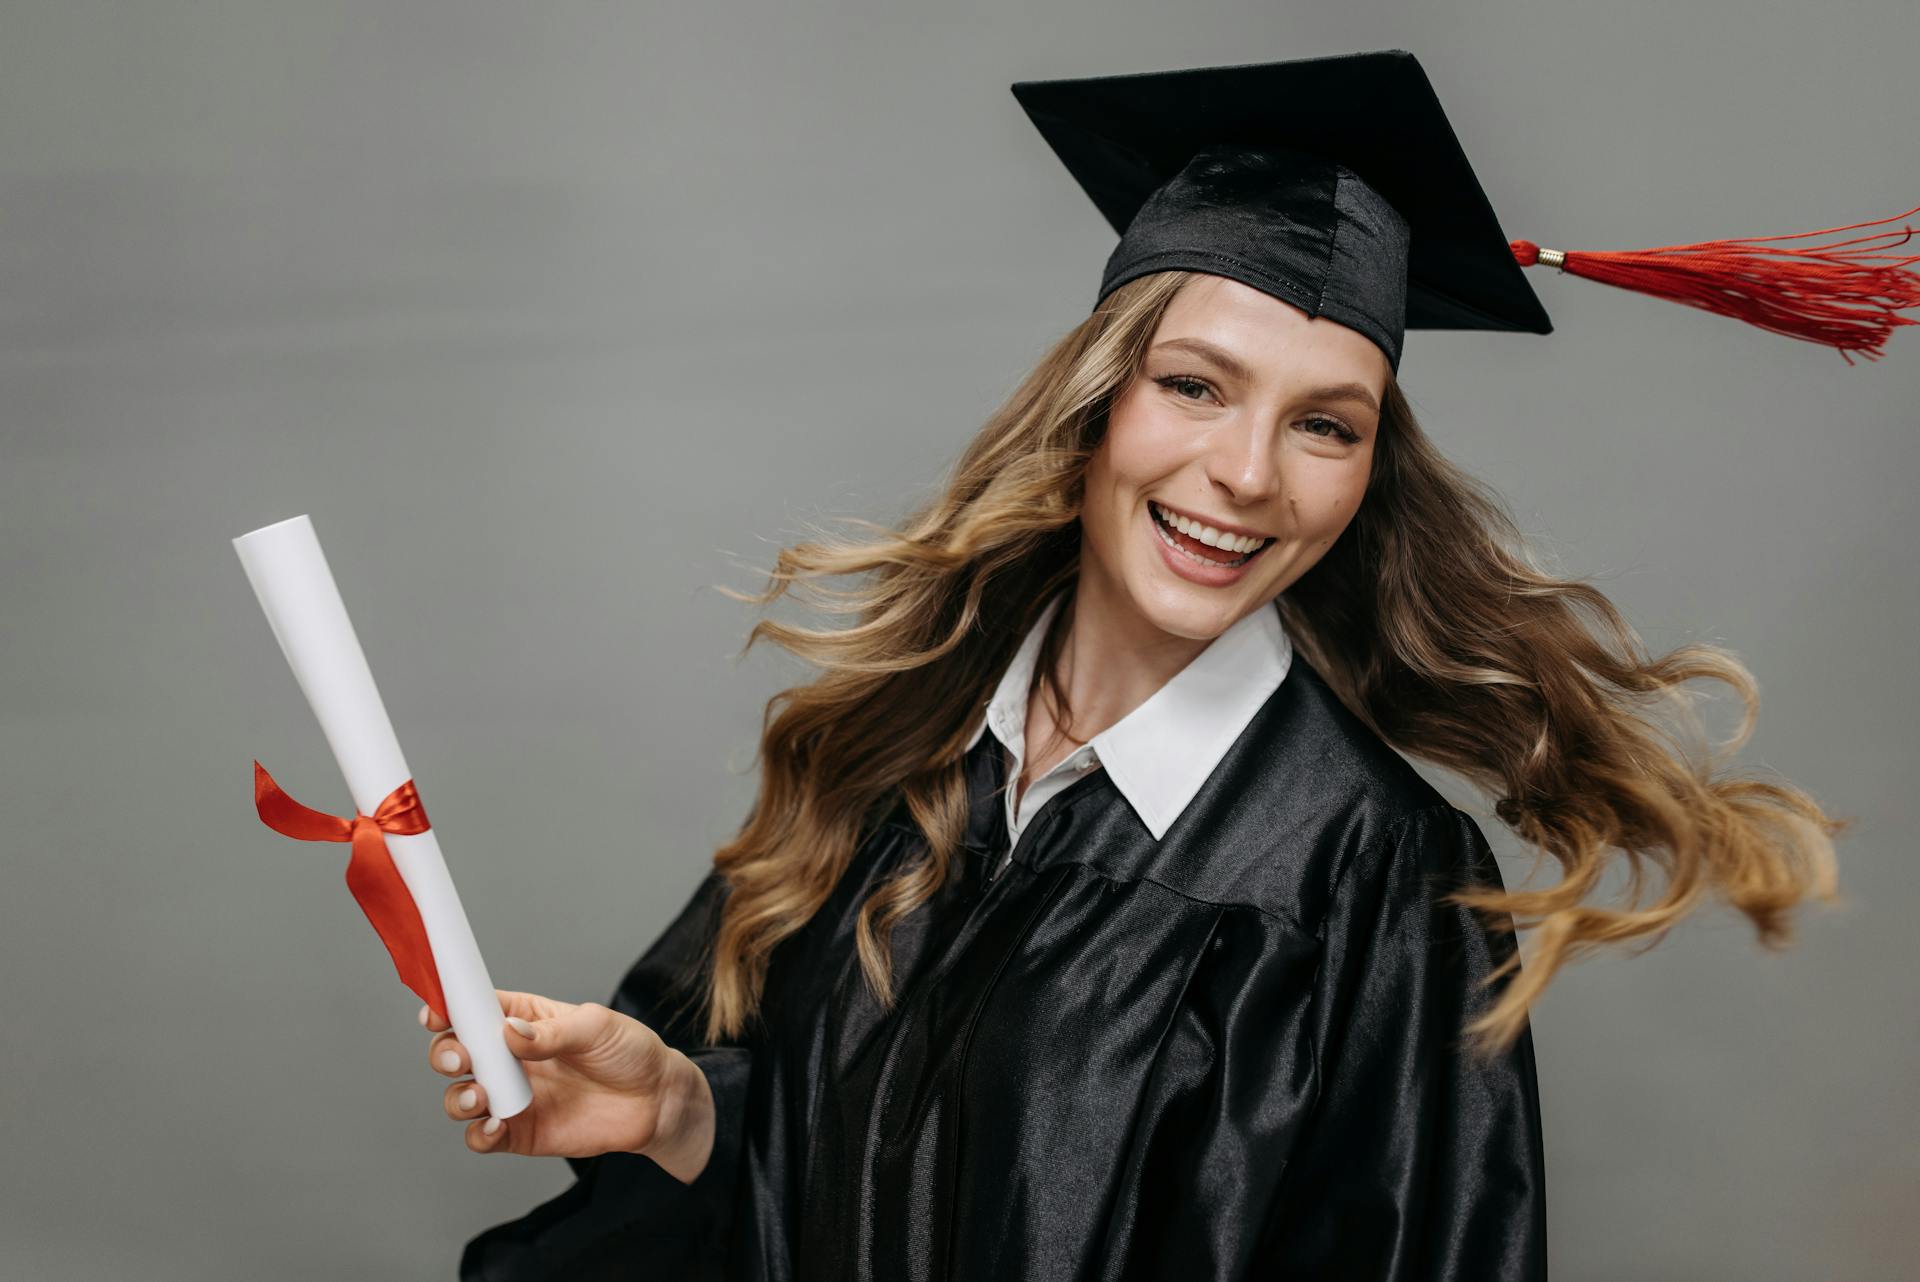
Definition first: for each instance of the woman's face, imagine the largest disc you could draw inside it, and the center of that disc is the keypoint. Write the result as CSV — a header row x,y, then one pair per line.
x,y
1247,416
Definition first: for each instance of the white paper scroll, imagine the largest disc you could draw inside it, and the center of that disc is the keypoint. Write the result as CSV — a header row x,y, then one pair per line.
x,y
296,589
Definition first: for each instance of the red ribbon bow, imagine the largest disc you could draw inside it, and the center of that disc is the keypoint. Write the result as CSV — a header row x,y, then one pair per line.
x,y
371,876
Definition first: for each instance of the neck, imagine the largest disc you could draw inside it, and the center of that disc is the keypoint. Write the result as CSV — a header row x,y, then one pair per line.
x,y
1114,658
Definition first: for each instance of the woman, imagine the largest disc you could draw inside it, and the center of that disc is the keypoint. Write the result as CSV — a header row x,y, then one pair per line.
x,y
1088,923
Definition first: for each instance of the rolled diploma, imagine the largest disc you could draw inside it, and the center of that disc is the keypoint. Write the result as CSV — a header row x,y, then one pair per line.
x,y
296,589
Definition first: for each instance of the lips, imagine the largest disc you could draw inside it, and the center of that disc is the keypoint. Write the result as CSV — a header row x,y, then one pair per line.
x,y
1225,537
1191,542
1191,550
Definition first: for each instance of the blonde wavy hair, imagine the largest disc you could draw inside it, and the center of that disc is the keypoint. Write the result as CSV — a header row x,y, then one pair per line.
x,y
1428,618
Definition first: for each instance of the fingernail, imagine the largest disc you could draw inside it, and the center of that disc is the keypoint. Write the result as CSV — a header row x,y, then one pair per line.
x,y
492,1125
450,1060
423,1016
520,1026
468,1098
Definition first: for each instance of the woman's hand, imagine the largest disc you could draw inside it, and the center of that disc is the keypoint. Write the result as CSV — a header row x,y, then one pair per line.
x,y
602,1082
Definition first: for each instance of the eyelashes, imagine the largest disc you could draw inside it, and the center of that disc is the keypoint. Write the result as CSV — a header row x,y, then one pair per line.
x,y
1337,430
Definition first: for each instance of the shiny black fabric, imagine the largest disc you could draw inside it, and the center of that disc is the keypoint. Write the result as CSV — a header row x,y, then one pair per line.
x,y
1306,230
1227,1054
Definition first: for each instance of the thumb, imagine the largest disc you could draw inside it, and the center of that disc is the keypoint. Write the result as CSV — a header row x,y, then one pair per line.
x,y
568,1033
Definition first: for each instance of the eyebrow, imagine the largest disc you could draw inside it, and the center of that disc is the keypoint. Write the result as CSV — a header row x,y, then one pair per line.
x,y
1236,368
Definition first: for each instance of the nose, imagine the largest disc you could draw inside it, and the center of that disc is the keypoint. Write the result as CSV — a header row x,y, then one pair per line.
x,y
1243,459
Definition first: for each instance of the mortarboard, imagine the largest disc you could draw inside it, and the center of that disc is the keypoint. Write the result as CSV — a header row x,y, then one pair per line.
x,y
1337,185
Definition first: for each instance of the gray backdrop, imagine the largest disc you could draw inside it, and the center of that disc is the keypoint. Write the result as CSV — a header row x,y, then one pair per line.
x,y
553,319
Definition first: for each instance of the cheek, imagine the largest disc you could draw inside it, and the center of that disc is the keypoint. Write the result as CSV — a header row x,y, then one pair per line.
x,y
1329,513
1103,510
1141,449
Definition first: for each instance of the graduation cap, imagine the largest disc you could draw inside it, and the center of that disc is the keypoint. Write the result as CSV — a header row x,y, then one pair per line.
x,y
1337,185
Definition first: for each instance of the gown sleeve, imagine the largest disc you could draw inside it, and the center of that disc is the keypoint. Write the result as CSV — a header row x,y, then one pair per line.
x,y
1416,1162
624,1216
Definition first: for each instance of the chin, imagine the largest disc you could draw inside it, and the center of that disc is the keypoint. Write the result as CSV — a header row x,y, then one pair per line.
x,y
1187,610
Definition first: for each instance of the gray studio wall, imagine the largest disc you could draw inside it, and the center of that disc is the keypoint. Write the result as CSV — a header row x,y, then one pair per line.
x,y
553,316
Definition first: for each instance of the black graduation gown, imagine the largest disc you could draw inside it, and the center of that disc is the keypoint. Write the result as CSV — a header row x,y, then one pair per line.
x,y
1230,1053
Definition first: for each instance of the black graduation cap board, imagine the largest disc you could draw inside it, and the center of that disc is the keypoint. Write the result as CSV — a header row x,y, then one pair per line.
x,y
1249,171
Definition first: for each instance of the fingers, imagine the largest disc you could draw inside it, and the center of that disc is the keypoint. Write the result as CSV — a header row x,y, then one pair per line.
x,y
523,1005
447,1056
572,1031
466,1100
482,1140
529,1005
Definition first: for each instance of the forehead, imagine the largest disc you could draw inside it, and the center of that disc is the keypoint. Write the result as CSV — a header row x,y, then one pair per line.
x,y
1271,336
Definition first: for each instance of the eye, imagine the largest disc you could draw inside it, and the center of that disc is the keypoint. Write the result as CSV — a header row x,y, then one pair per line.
x,y
1336,430
1324,426
1174,382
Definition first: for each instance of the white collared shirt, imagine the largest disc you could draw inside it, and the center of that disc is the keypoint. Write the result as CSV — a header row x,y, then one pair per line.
x,y
1160,753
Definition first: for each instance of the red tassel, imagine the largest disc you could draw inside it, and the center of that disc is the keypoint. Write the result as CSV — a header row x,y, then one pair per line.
x,y
1846,298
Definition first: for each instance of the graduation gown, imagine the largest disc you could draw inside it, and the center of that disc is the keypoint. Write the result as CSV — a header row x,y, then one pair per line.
x,y
1231,1053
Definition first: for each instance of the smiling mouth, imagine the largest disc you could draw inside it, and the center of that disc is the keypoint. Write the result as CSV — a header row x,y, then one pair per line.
x,y
1189,538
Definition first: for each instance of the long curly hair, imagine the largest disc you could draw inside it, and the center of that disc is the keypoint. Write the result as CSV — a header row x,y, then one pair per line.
x,y
1429,618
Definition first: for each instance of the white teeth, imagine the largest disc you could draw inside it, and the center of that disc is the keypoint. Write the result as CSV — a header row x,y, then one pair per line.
x,y
1168,539
1207,534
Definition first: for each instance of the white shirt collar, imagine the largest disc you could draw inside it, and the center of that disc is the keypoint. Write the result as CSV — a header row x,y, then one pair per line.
x,y
1159,754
